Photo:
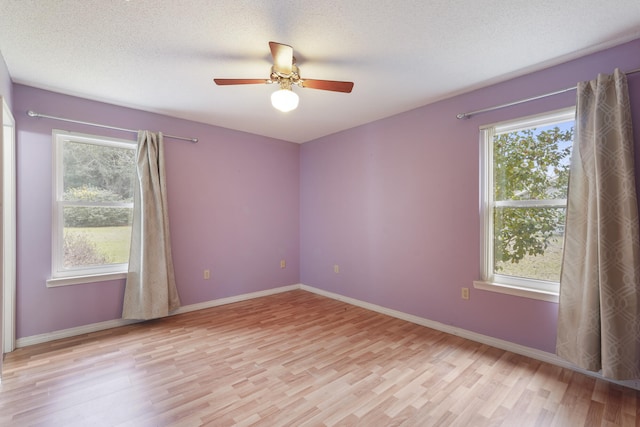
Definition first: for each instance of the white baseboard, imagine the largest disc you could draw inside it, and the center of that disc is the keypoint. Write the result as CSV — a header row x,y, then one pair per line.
x,y
101,326
72,332
533,353
473,336
237,298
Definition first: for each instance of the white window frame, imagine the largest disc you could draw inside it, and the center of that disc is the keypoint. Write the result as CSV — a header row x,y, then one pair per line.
x,y
61,276
529,288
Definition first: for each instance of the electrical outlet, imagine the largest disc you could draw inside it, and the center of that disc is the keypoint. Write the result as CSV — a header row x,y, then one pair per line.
x,y
207,274
283,263
464,293
336,268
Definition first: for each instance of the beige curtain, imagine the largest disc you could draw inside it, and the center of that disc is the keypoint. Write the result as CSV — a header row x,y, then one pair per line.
x,y
151,290
599,316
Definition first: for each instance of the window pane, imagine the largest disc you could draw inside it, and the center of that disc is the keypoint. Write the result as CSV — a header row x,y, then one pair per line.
x,y
532,164
96,236
528,242
94,182
97,173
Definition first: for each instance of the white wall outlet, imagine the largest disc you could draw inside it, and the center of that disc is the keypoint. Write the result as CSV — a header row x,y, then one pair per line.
x,y
207,274
283,263
336,268
464,293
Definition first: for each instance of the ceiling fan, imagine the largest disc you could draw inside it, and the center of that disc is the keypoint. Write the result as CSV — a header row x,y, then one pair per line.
x,y
285,73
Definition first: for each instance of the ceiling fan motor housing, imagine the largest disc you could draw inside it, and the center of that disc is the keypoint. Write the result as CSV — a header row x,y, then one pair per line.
x,y
285,72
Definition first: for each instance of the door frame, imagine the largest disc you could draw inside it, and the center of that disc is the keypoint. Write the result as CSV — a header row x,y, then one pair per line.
x,y
8,224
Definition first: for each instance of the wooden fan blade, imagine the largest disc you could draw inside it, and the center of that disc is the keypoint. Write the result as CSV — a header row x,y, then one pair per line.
x,y
282,58
223,82
328,85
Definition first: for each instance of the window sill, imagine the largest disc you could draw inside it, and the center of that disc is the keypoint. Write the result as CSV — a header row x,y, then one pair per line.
x,y
78,280
516,291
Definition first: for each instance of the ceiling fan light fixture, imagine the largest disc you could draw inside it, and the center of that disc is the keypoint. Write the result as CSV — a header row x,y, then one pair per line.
x,y
284,100
285,74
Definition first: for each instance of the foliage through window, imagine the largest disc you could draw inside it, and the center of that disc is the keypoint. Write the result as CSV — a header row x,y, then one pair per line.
x,y
93,204
525,180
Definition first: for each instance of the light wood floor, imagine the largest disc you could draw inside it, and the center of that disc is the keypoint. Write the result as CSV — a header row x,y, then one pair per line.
x,y
295,359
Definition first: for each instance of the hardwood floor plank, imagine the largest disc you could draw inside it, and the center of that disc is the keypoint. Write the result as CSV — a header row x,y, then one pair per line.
x,y
295,359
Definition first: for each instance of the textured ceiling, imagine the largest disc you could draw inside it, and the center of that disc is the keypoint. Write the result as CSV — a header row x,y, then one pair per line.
x,y
161,55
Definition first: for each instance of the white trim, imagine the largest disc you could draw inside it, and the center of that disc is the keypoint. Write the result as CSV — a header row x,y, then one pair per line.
x,y
79,280
533,353
58,271
560,116
516,291
8,230
550,203
490,280
95,327
486,191
104,141
72,332
237,298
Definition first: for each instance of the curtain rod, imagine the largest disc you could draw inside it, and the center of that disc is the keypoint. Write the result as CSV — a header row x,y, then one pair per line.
x,y
522,101
32,113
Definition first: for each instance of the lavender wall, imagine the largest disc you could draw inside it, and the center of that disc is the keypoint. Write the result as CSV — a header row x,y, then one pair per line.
x,y
395,204
233,201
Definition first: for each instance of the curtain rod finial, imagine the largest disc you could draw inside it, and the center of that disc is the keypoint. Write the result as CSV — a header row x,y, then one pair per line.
x,y
462,116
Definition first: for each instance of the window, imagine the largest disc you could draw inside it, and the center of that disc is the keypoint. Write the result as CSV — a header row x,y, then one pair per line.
x,y
525,173
93,204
